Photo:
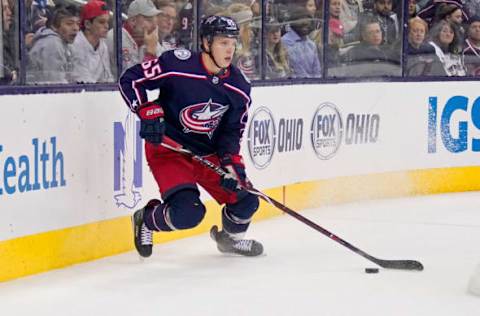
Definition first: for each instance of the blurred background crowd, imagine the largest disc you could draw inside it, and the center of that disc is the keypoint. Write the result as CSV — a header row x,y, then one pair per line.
x,y
73,41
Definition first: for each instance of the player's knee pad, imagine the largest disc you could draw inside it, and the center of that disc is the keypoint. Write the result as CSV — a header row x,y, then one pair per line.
x,y
244,208
185,209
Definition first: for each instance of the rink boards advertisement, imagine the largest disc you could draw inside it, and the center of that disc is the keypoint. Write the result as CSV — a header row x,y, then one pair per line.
x,y
68,160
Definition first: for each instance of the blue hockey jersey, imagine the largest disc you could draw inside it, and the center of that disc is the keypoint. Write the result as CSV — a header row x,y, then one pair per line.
x,y
204,112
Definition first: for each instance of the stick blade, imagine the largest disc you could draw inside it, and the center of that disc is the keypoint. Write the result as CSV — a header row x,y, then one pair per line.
x,y
400,264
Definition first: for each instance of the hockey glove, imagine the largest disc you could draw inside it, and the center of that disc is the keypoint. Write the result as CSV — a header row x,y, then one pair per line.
x,y
236,176
152,124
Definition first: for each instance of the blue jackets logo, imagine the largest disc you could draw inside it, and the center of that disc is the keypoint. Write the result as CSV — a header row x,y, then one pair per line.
x,y
127,162
459,128
40,169
261,137
202,118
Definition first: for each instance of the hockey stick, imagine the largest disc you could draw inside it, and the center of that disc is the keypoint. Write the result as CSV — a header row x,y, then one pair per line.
x,y
387,264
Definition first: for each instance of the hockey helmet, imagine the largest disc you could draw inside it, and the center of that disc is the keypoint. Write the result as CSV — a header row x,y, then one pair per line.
x,y
215,25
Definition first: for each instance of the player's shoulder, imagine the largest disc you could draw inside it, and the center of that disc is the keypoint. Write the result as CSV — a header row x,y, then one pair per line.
x,y
182,60
239,80
178,56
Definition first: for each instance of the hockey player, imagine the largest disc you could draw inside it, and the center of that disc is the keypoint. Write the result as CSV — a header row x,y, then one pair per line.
x,y
203,105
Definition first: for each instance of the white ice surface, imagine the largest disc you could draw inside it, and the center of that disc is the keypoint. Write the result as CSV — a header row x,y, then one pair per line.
x,y
302,273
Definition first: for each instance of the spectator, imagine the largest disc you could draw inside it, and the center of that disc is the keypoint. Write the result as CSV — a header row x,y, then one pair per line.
x,y
8,60
335,42
277,58
387,19
412,8
451,13
370,48
38,18
471,53
419,52
335,33
431,7
309,5
350,12
280,10
256,7
211,7
166,20
447,60
29,30
335,9
448,12
139,35
50,58
185,32
316,35
471,8
246,53
417,31
302,51
91,62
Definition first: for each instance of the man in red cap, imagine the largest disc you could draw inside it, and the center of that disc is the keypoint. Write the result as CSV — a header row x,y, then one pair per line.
x,y
91,60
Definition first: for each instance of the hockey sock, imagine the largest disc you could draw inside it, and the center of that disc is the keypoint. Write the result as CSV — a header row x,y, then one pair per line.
x,y
157,218
234,225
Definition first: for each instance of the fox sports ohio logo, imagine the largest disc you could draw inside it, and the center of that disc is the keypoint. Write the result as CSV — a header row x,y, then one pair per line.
x,y
326,131
261,138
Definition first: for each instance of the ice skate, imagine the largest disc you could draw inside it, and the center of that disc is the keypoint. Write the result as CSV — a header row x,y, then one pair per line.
x,y
226,244
143,236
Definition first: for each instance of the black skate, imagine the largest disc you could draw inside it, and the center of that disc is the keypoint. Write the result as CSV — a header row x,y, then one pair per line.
x,y
244,247
143,236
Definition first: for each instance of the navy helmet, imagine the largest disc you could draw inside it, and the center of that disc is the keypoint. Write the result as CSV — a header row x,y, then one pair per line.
x,y
215,25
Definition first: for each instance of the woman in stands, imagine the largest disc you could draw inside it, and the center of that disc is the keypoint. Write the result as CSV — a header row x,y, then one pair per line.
x,y
277,56
447,60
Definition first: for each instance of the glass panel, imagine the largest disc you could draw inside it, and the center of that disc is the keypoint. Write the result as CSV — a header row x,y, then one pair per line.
x,y
9,59
437,35
247,14
93,61
471,50
71,45
277,64
48,41
140,32
167,23
299,24
185,23
364,38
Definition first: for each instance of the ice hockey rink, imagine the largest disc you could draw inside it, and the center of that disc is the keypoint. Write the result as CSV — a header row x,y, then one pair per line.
x,y
302,273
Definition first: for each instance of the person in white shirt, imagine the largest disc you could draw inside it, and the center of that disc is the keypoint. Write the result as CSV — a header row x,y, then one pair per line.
x,y
139,35
91,61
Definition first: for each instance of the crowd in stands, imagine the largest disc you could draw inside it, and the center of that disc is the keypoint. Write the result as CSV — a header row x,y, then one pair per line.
x,y
72,41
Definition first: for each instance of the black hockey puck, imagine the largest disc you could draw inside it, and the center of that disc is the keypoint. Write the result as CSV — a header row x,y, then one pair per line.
x,y
371,270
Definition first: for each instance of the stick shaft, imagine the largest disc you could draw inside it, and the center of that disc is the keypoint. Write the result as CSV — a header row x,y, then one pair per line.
x,y
390,264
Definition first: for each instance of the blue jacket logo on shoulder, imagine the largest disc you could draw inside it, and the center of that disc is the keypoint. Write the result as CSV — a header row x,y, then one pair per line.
x,y
202,118
182,54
